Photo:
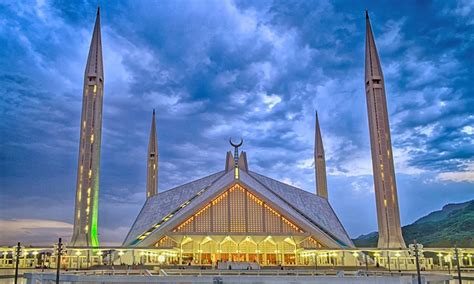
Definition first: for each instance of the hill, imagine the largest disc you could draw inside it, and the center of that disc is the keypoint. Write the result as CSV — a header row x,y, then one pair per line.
x,y
454,224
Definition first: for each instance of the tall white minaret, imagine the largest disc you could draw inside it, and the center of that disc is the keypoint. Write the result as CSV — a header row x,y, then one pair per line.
x,y
320,163
388,213
87,189
152,162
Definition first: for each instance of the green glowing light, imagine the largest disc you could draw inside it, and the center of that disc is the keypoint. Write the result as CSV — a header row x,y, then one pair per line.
x,y
95,213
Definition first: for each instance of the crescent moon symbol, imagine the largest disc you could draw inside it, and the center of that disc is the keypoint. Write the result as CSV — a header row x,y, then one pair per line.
x,y
236,145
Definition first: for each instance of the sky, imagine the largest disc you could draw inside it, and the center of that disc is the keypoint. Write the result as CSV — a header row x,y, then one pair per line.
x,y
215,69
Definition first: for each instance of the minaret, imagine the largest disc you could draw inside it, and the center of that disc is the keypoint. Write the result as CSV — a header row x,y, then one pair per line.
x,y
152,162
87,189
388,215
320,163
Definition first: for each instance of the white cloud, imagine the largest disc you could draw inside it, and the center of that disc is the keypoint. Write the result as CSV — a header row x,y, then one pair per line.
x,y
468,130
426,130
271,100
305,164
46,232
33,231
393,38
289,181
362,186
465,175
402,157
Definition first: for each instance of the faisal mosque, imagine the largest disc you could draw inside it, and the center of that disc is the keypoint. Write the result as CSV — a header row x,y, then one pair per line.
x,y
235,214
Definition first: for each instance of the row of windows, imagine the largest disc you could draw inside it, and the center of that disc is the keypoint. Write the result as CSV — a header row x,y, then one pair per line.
x,y
237,210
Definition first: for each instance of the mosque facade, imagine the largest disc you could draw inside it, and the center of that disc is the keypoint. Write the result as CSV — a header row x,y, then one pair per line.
x,y
236,214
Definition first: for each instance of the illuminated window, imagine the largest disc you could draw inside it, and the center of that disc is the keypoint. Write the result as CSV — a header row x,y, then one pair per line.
x,y
95,88
246,215
92,138
236,173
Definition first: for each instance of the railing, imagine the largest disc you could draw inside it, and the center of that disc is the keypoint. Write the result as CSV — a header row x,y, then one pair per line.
x,y
197,276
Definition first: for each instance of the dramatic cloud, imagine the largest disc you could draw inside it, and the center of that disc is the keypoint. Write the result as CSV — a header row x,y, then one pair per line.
x,y
215,69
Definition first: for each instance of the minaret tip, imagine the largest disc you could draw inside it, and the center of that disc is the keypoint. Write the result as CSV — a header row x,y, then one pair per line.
x,y
152,161
319,162
366,14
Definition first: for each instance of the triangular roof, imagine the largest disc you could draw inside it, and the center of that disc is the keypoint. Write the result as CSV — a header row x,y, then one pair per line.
x,y
166,210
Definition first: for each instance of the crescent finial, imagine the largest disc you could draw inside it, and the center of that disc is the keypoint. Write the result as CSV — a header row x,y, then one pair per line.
x,y
236,145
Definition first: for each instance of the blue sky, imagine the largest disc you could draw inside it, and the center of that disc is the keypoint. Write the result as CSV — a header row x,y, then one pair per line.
x,y
215,69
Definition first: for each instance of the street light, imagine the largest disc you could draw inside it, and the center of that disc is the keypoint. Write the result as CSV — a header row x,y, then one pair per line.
x,y
398,260
120,253
78,254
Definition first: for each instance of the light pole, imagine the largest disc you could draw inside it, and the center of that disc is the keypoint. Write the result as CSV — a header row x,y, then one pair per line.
x,y
316,261
17,261
58,265
366,264
78,266
456,253
415,245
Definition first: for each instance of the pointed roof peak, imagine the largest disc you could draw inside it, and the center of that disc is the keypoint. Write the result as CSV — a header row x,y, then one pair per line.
x,y
95,66
153,141
318,141
317,121
373,68
366,14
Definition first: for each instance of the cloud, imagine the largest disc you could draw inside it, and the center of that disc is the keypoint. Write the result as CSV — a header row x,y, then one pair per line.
x,y
220,69
465,175
46,232
33,231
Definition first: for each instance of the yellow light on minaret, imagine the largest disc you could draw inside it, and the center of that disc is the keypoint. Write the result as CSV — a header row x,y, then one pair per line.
x,y
86,221
388,212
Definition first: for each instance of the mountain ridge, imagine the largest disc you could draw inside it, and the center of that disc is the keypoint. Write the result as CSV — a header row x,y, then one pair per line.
x,y
452,225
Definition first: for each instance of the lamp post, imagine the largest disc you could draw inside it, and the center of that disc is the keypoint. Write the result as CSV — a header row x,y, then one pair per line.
x,y
417,261
17,261
120,253
356,256
78,266
456,253
316,261
398,261
58,265
366,264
